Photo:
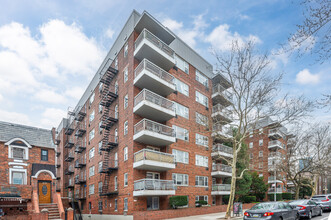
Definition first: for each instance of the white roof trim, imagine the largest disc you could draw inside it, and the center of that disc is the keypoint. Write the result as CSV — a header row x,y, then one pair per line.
x,y
18,139
47,171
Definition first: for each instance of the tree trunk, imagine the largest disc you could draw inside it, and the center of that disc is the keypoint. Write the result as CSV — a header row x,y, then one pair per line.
x,y
314,185
233,185
297,190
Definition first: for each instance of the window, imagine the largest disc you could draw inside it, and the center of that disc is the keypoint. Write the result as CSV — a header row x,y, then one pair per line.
x,y
181,110
201,181
115,205
100,87
261,175
100,108
125,127
201,160
100,188
116,135
182,64
91,153
91,116
260,130
91,189
251,134
89,205
126,101
201,78
116,111
125,74
260,142
100,206
260,153
116,63
260,165
126,47
251,156
18,178
116,87
214,200
201,140
44,155
100,128
152,203
251,145
18,153
92,98
201,119
99,147
125,204
202,99
181,133
115,183
180,179
91,135
203,198
91,171
181,87
180,156
100,166
116,159
125,153
125,179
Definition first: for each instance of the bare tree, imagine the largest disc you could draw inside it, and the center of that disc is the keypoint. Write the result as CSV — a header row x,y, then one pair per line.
x,y
308,156
256,96
314,34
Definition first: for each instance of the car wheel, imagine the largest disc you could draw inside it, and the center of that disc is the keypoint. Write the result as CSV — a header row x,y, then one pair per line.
x,y
297,217
321,212
310,215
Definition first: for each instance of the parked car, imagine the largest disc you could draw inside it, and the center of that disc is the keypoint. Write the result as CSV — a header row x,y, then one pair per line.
x,y
323,200
307,208
272,210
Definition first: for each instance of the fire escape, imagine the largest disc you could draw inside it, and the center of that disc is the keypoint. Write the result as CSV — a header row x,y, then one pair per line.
x,y
108,119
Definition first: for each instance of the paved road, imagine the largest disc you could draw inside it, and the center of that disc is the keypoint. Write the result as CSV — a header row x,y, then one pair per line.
x,y
325,216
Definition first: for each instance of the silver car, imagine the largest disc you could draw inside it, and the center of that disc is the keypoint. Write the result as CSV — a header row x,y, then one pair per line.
x,y
271,210
323,200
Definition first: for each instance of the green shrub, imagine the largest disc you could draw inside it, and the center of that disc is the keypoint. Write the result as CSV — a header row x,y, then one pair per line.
x,y
225,199
201,202
176,201
278,197
287,196
247,199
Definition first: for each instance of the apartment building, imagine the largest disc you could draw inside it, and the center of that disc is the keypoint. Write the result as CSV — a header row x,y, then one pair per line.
x,y
141,132
267,144
27,170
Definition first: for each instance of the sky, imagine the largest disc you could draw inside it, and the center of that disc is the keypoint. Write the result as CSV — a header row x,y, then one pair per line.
x,y
50,50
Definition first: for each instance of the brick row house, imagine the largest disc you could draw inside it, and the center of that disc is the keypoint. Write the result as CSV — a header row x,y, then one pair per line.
x,y
140,132
27,171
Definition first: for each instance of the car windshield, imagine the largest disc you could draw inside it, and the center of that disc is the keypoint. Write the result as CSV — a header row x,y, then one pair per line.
x,y
298,202
319,198
264,206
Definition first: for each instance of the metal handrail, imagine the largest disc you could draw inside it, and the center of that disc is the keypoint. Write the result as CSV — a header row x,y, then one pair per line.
x,y
153,184
222,148
154,69
145,34
149,125
221,187
221,109
272,178
150,96
220,89
275,154
275,130
147,154
275,142
222,167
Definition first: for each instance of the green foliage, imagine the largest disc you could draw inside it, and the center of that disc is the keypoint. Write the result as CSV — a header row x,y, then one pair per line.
x,y
247,199
225,199
287,196
200,203
278,197
305,190
258,187
243,185
176,201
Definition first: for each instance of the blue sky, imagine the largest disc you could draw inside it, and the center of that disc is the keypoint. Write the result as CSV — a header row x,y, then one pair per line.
x,y
49,50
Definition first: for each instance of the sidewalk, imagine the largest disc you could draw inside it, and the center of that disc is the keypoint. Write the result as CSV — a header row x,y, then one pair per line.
x,y
212,216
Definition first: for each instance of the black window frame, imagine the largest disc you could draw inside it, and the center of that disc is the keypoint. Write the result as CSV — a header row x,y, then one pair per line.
x,y
42,156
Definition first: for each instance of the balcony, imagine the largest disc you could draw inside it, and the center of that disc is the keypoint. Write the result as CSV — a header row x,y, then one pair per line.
x,y
109,142
275,145
272,190
70,129
79,116
153,133
221,96
70,185
69,157
221,114
153,106
220,150
80,130
272,179
57,165
222,132
275,134
146,159
82,162
108,166
69,171
69,143
58,153
221,189
221,170
81,180
150,76
148,46
154,187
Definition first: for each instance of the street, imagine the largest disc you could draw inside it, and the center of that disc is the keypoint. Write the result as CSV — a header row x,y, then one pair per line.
x,y
325,216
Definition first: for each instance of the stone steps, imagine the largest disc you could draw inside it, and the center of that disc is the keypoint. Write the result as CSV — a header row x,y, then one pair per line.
x,y
53,211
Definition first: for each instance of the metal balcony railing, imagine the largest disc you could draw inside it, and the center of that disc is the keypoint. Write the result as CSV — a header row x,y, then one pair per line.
x,y
153,184
222,167
154,98
152,126
221,187
222,129
275,142
272,178
146,154
220,89
145,34
222,148
278,190
154,69
275,131
222,110
275,154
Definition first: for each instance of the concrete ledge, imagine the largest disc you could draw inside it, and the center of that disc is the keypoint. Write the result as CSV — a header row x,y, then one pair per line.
x,y
106,217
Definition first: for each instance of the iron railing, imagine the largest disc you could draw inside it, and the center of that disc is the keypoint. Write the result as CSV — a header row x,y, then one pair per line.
x,y
222,167
221,187
222,148
275,143
146,154
220,89
153,184
154,98
152,126
222,110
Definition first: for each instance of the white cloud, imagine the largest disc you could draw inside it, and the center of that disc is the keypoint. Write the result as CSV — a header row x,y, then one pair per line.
x,y
75,92
221,38
109,33
14,117
50,96
305,77
52,116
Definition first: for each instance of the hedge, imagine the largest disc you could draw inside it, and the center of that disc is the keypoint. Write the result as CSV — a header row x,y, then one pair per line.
x,y
176,201
278,197
287,196
247,199
225,199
